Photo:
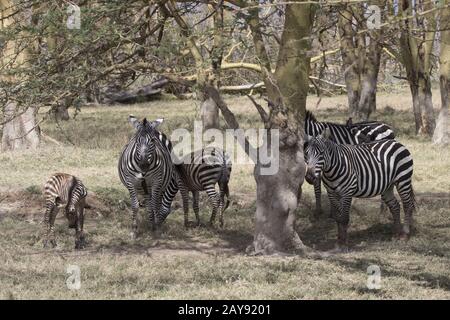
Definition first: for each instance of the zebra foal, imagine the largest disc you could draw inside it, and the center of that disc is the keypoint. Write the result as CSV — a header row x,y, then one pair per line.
x,y
146,169
363,171
349,133
65,190
201,171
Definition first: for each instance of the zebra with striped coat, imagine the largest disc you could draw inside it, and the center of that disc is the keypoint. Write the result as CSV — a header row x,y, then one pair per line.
x,y
65,190
201,171
146,169
363,171
349,133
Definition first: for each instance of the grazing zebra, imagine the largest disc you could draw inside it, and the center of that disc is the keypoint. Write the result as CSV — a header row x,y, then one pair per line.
x,y
146,169
59,190
362,171
350,133
200,171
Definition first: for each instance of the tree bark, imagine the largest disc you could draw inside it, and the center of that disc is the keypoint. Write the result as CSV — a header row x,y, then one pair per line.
x,y
278,194
441,133
21,131
416,53
361,58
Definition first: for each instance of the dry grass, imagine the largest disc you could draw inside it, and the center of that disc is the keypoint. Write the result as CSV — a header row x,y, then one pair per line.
x,y
203,263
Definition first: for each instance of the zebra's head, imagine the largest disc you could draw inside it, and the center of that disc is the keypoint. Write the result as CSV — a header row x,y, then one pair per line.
x,y
145,138
315,148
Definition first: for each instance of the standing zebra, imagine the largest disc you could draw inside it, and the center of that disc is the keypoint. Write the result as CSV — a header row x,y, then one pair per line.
x,y
59,190
350,133
363,171
146,169
200,171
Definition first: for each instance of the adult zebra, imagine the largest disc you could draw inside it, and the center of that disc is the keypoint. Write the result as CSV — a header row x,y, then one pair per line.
x,y
146,169
349,133
362,171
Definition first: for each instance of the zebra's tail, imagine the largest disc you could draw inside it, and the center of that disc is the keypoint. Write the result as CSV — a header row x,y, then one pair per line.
x,y
224,179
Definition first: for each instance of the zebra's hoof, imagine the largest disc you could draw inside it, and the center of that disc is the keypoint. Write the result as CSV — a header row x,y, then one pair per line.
x,y
133,235
80,245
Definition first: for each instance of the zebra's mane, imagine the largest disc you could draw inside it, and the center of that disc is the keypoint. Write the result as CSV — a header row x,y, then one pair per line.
x,y
310,116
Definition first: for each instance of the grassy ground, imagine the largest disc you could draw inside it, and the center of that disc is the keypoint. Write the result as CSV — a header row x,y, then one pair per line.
x,y
203,263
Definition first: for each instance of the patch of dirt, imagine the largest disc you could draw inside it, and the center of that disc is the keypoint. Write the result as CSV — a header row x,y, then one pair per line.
x,y
25,204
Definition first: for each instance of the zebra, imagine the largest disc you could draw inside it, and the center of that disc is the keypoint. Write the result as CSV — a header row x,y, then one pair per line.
x,y
363,171
60,190
200,171
146,169
349,133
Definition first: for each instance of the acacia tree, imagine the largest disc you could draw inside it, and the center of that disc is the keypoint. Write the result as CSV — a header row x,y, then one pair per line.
x,y
418,30
20,130
441,133
361,49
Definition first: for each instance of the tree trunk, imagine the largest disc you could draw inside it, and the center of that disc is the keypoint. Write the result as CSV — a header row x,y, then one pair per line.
x,y
209,114
278,194
416,50
416,106
441,133
21,132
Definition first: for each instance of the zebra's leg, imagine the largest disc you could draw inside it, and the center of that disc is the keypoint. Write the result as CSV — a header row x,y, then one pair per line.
x,y
155,208
318,195
49,220
222,205
185,198
406,193
214,197
340,207
391,202
79,234
134,211
195,206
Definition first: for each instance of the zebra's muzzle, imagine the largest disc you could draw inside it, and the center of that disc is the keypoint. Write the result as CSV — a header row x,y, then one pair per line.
x,y
310,176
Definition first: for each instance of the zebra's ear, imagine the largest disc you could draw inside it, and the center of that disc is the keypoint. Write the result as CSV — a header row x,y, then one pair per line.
x,y
134,121
326,133
157,122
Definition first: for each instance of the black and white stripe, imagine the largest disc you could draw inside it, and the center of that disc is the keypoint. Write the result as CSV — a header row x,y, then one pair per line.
x,y
362,171
201,171
350,133
65,190
146,169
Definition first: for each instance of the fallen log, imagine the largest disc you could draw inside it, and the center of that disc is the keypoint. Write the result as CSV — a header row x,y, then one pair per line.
x,y
145,93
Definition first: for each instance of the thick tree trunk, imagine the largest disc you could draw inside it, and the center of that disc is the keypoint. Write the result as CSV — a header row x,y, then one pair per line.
x,y
21,132
277,199
441,133
416,50
279,194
